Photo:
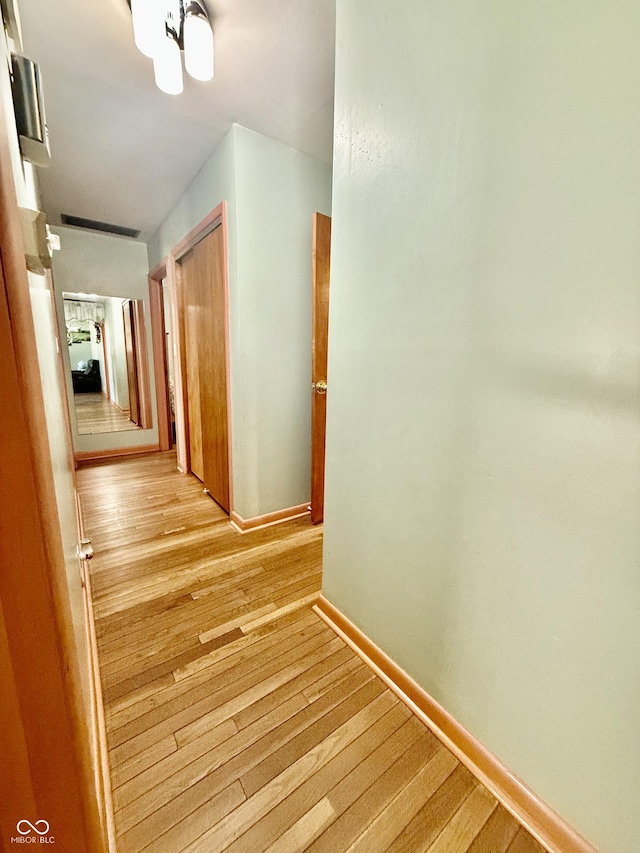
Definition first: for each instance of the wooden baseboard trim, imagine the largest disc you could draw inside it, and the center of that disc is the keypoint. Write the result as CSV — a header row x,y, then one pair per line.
x,y
83,457
535,815
244,525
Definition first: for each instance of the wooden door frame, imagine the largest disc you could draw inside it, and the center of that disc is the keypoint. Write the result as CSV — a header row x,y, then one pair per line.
x,y
131,333
320,279
47,753
105,361
159,348
171,267
140,367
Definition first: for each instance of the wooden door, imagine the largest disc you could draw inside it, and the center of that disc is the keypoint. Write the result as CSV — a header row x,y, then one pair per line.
x,y
321,263
130,345
203,288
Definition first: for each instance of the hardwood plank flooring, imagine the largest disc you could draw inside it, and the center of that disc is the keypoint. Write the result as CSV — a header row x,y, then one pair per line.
x,y
236,719
96,414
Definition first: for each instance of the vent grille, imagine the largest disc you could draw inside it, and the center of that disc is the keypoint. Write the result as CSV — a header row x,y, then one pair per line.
x,y
94,225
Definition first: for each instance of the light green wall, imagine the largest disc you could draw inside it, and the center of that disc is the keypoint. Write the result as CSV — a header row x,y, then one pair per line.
x,y
278,190
214,183
107,266
483,448
271,193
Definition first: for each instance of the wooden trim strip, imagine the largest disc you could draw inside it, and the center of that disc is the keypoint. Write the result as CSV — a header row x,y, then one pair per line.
x,y
535,815
142,359
174,278
84,456
199,231
227,342
159,271
159,352
244,525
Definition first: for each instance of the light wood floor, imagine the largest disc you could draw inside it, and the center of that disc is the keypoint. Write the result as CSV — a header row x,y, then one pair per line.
x,y
237,720
96,414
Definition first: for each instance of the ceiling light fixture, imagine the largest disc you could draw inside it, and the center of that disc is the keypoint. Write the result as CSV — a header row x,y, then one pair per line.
x,y
162,29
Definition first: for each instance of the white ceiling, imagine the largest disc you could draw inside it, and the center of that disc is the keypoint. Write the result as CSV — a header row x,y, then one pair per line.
x,y
122,151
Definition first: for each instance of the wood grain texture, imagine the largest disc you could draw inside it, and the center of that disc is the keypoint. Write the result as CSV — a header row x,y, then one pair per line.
x,y
142,365
131,355
189,267
245,525
174,283
319,350
96,414
91,457
203,292
237,719
540,819
217,216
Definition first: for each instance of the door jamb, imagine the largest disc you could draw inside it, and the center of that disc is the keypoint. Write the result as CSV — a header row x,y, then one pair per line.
x,y
159,349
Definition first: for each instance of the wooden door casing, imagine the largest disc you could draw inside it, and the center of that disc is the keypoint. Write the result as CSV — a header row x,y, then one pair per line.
x,y
192,331
160,355
321,267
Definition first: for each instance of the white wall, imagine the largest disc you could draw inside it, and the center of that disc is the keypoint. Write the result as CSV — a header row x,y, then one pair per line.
x,y
107,266
82,350
271,193
483,447
116,351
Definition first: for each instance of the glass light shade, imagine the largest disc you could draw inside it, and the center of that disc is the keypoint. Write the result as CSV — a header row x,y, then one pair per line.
x,y
148,25
198,47
167,66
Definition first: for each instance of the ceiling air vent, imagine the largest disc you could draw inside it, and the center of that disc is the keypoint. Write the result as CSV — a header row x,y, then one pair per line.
x,y
94,225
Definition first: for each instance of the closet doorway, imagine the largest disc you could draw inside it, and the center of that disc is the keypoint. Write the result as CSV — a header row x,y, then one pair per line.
x,y
202,289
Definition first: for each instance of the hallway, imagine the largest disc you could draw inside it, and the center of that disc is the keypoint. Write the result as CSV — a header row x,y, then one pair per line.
x,y
96,414
237,720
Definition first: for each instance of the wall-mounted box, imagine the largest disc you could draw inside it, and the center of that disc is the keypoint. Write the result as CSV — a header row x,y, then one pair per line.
x,y
11,21
28,105
37,248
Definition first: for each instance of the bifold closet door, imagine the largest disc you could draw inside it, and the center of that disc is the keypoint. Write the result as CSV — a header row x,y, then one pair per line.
x,y
206,364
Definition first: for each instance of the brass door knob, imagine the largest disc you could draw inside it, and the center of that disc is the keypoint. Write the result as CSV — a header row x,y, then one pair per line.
x,y
320,387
